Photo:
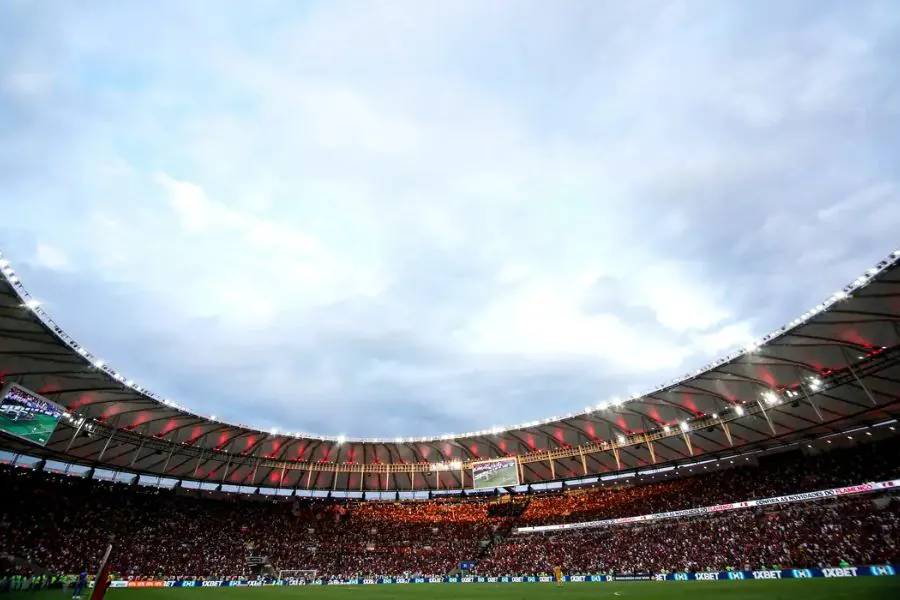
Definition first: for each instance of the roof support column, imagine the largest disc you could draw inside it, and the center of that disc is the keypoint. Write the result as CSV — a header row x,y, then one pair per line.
x,y
552,466
83,420
615,451
112,432
199,456
136,453
140,447
727,431
583,460
227,466
165,468
807,396
766,415
652,451
856,377
255,467
687,441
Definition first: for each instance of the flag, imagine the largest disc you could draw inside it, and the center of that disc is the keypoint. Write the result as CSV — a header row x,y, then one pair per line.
x,y
101,583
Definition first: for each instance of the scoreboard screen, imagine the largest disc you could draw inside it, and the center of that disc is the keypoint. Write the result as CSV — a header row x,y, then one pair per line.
x,y
27,415
503,472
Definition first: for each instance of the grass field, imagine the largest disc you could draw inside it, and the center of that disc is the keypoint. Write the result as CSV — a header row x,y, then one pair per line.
x,y
37,430
785,589
504,477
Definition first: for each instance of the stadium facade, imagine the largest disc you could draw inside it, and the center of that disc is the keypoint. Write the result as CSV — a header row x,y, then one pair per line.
x,y
836,368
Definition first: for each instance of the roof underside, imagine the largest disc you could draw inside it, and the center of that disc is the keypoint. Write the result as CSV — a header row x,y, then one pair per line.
x,y
853,348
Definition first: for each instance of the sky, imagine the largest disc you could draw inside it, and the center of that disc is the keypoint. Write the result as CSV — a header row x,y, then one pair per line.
x,y
420,217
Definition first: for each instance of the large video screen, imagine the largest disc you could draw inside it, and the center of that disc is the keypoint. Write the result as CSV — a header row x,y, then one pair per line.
x,y
27,415
503,472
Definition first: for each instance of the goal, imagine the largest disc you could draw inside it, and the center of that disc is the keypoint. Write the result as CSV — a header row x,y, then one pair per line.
x,y
297,574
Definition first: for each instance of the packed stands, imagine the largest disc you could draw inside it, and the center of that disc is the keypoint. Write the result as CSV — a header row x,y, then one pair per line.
x,y
801,536
63,523
60,523
787,473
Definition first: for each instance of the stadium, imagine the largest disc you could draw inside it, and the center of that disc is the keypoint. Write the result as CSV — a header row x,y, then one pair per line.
x,y
777,462
427,300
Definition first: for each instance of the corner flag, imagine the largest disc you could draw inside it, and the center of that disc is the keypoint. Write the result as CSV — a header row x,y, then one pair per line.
x,y
101,582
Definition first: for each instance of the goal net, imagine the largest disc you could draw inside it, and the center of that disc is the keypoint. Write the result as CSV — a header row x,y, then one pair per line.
x,y
297,574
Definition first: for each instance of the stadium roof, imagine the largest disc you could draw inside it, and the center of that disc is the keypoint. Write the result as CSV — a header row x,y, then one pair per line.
x,y
835,367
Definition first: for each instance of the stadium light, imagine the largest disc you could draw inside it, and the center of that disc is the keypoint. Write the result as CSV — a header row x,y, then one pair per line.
x,y
815,384
274,431
770,397
666,428
341,439
213,417
739,410
861,281
685,426
455,465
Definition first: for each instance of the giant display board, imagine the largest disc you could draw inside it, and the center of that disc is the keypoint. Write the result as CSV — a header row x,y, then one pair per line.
x,y
502,472
27,415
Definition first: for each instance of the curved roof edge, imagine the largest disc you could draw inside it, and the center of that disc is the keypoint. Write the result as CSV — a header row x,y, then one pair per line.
x,y
32,304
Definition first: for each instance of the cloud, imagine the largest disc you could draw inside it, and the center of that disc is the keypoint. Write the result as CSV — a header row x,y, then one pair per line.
x,y
49,257
431,217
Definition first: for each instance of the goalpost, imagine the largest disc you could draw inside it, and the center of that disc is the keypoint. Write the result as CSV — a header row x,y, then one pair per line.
x,y
296,574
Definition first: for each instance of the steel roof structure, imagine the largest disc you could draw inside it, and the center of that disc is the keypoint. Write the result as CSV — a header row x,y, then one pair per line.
x,y
834,368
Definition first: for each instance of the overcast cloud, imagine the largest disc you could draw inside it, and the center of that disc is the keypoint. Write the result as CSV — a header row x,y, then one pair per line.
x,y
412,218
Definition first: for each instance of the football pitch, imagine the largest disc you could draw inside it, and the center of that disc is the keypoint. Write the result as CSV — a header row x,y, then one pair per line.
x,y
785,589
37,430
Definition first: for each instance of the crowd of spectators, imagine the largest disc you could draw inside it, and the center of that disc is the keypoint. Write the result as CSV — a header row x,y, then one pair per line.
x,y
801,536
785,473
63,524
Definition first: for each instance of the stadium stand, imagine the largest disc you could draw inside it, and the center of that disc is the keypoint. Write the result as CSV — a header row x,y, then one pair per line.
x,y
792,472
819,535
61,524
